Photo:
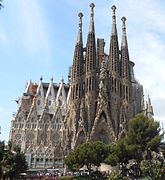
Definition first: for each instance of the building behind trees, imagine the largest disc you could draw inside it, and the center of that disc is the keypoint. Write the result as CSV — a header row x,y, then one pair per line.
x,y
101,96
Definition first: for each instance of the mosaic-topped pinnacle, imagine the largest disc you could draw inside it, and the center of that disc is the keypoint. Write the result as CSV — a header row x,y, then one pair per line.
x,y
123,26
41,78
114,29
123,19
113,14
80,15
113,9
91,27
79,36
92,5
124,39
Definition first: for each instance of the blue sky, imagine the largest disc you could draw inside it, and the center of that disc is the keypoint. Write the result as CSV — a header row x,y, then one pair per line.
x,y
37,38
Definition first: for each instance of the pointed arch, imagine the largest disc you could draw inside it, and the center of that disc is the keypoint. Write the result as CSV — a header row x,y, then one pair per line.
x,y
102,131
102,116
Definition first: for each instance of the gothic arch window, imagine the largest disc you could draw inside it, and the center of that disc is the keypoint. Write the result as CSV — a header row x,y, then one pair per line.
x,y
126,92
112,83
19,119
80,87
115,85
90,82
83,88
123,91
120,90
76,90
87,85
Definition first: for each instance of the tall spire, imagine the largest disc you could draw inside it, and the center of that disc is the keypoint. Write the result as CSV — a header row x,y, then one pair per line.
x,y
79,36
91,45
91,63
78,53
114,29
125,70
124,36
114,47
78,62
91,27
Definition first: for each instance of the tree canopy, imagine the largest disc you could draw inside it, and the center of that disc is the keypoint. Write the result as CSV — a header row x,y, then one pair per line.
x,y
143,135
12,161
142,139
89,153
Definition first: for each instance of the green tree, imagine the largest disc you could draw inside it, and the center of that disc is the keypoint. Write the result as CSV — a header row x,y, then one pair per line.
x,y
89,153
12,162
155,168
141,140
143,135
118,153
2,150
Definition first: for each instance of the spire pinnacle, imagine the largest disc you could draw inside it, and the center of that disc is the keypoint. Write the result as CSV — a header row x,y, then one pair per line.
x,y
51,79
80,15
124,37
91,28
114,30
123,25
113,10
41,78
62,79
79,37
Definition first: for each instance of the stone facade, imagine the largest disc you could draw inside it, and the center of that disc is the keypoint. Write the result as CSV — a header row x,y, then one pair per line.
x,y
101,97
37,125
104,91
